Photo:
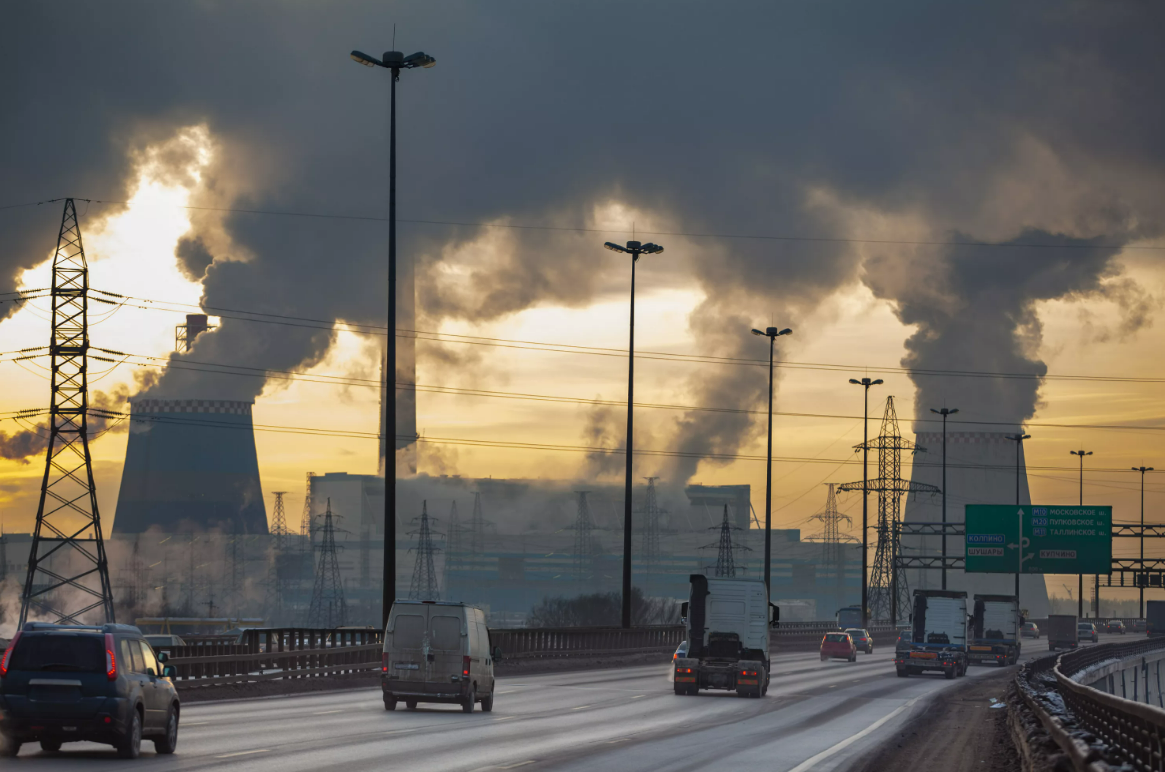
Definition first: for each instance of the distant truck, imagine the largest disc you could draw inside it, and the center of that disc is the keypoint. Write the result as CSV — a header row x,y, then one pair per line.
x,y
995,623
849,617
727,623
1062,632
1155,617
938,635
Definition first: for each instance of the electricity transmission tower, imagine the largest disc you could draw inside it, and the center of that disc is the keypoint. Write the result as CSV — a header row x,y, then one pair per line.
x,y
305,520
136,575
233,598
328,610
452,545
477,526
889,594
279,522
649,539
725,557
584,541
831,537
424,586
68,525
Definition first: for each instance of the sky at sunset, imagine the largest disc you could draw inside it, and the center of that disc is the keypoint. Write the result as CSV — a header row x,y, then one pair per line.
x,y
876,141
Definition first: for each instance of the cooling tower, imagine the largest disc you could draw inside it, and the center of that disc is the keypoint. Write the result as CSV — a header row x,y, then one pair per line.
x,y
190,465
981,469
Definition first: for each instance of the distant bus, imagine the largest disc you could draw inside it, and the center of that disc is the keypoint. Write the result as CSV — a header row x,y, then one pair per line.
x,y
848,617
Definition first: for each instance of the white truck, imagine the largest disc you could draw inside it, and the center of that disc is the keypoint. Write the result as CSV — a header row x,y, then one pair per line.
x,y
995,623
727,623
938,635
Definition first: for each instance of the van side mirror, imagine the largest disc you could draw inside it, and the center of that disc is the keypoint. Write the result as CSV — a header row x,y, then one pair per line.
x,y
684,610
775,615
170,672
163,656
497,653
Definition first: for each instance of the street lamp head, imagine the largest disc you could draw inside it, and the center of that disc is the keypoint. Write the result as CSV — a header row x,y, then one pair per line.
x,y
365,59
651,249
855,381
757,332
393,59
419,59
614,247
785,331
877,382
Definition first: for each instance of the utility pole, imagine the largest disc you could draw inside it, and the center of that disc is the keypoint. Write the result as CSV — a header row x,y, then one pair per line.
x,y
944,413
635,249
68,524
772,333
1141,578
394,61
1080,577
866,383
1018,440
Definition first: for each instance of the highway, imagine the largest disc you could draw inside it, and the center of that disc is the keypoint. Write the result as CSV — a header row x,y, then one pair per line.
x,y
817,715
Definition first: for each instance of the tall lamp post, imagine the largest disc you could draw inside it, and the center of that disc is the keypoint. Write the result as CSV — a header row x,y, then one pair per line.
x,y
1141,578
944,413
772,333
635,249
394,61
865,383
1018,440
1080,577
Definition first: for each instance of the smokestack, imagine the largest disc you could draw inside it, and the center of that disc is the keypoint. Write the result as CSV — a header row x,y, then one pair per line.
x,y
190,465
981,469
184,334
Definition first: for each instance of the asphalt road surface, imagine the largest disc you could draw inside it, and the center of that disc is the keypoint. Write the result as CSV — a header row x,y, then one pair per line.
x,y
817,715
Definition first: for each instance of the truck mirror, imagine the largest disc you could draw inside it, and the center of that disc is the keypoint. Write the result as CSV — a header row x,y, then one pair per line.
x,y
497,653
684,609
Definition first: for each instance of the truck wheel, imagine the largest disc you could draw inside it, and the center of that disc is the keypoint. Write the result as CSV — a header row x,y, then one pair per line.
x,y
950,673
681,690
902,672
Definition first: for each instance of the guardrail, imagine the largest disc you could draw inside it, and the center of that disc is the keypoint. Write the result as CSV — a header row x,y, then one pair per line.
x,y
1128,731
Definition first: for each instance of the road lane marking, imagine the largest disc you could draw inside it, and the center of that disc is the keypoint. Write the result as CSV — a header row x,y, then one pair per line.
x,y
581,707
638,696
243,753
327,712
810,762
504,718
195,723
519,764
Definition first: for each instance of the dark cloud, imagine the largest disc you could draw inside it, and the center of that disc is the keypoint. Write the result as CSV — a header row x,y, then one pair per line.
x,y
996,120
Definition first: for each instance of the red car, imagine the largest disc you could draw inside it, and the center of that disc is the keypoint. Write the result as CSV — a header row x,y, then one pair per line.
x,y
838,646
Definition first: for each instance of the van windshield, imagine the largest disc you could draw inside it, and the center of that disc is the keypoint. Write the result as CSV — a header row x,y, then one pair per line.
x,y
409,631
59,653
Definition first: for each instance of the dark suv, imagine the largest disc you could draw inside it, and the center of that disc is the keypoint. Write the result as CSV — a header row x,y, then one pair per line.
x,y
66,683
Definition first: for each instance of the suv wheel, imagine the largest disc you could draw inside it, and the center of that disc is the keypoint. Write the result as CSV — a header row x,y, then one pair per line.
x,y
168,743
8,746
50,746
467,705
129,746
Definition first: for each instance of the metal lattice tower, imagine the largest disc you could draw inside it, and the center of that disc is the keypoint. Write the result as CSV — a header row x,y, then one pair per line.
x,y
649,532
305,520
831,537
889,593
725,549
424,585
477,526
452,545
327,610
233,597
68,524
136,577
279,522
584,541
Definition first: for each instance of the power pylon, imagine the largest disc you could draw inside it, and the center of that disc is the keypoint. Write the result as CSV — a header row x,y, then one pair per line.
x,y
424,585
453,546
305,520
477,526
649,531
328,610
585,549
68,524
279,522
889,593
234,596
725,555
831,537
136,577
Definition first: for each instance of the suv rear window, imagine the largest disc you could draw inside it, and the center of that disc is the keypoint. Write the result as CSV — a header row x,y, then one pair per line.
x,y
55,652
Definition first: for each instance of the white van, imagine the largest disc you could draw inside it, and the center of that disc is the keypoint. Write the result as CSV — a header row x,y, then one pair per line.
x,y
437,652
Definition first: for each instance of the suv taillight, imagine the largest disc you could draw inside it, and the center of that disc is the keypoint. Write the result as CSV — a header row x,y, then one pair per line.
x,y
8,655
465,666
110,659
384,662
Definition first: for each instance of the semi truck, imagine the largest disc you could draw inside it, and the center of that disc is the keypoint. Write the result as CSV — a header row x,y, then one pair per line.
x,y
938,635
727,623
849,617
1062,632
1155,617
995,623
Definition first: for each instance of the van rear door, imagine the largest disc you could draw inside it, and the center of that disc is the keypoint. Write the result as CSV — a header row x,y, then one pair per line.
x,y
409,628
448,644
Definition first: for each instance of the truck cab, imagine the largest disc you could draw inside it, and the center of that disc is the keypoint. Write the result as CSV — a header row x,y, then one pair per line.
x,y
995,624
727,623
938,635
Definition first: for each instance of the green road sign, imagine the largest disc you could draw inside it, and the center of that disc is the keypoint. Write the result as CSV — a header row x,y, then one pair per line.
x,y
1056,540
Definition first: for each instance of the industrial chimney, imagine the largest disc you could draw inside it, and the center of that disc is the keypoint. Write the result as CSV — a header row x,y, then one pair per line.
x,y
190,465
981,469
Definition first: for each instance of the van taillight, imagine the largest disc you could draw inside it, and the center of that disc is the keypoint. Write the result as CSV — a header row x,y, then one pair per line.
x,y
465,666
384,662
8,656
110,660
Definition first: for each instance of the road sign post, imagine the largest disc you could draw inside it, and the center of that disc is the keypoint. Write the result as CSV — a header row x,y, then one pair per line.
x,y
1038,539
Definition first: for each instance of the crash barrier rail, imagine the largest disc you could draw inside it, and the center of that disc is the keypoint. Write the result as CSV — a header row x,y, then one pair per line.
x,y
278,653
554,642
1131,732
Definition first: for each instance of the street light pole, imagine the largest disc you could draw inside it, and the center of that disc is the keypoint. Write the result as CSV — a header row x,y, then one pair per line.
x,y
1080,577
1018,439
635,249
944,413
1141,578
772,333
394,61
866,383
